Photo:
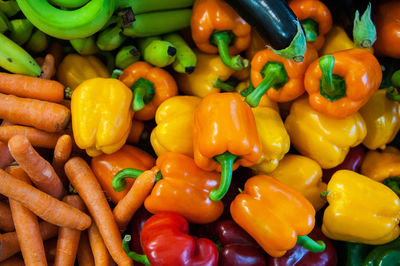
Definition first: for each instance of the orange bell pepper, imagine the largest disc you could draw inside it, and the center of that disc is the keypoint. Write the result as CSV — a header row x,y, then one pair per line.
x,y
269,70
315,18
275,215
105,166
150,86
216,27
136,133
224,137
340,84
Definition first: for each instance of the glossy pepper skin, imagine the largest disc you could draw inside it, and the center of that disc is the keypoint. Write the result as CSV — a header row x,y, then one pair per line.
x,y
150,85
74,69
174,118
380,165
184,189
315,18
105,166
223,124
166,241
322,138
273,214
360,210
382,118
303,175
340,84
388,254
208,72
101,115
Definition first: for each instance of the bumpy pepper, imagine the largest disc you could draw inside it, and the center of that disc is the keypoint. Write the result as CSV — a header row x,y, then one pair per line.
x,y
74,69
282,79
322,138
174,118
224,137
209,76
101,115
360,210
340,84
150,85
216,27
315,18
303,175
275,215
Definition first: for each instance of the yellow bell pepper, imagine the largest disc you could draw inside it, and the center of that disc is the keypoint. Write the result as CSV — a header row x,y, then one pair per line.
x,y
381,165
302,174
101,115
382,118
360,210
326,140
74,69
174,118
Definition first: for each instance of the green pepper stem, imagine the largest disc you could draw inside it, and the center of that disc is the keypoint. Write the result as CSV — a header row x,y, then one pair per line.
x,y
332,87
310,27
223,39
311,245
275,75
227,85
118,182
364,31
116,73
392,95
324,194
226,161
131,254
68,93
143,93
393,183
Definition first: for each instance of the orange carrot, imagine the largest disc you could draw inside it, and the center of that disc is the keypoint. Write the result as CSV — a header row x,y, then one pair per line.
x,y
39,170
26,226
84,181
5,155
85,255
31,87
13,261
9,241
132,201
38,138
68,239
48,68
43,205
6,221
62,152
99,250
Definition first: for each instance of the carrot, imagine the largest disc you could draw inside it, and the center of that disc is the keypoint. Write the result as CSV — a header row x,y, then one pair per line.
x,y
47,116
5,155
13,261
85,255
132,201
26,226
99,250
39,170
84,181
43,205
6,221
68,239
48,68
38,138
31,87
9,241
62,152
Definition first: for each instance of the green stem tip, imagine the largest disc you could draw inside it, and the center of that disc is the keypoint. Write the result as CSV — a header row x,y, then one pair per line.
x,y
131,254
226,161
311,245
392,94
227,85
310,27
116,73
332,87
118,182
143,93
364,31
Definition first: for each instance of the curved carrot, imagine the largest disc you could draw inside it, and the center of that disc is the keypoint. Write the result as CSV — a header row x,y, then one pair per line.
x,y
62,152
26,226
85,255
39,170
43,205
13,261
47,116
68,239
5,155
84,181
132,201
31,87
99,249
6,221
49,68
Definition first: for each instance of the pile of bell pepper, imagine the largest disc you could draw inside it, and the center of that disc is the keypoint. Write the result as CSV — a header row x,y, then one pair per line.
x,y
270,142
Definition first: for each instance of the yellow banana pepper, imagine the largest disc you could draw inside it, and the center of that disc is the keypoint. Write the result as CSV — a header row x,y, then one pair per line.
x,y
381,165
101,115
74,69
382,117
326,140
302,174
174,118
360,210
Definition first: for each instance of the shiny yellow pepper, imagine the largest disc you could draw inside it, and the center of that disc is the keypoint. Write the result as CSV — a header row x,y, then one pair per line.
x,y
74,69
101,115
381,165
303,175
382,118
174,118
322,138
360,210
